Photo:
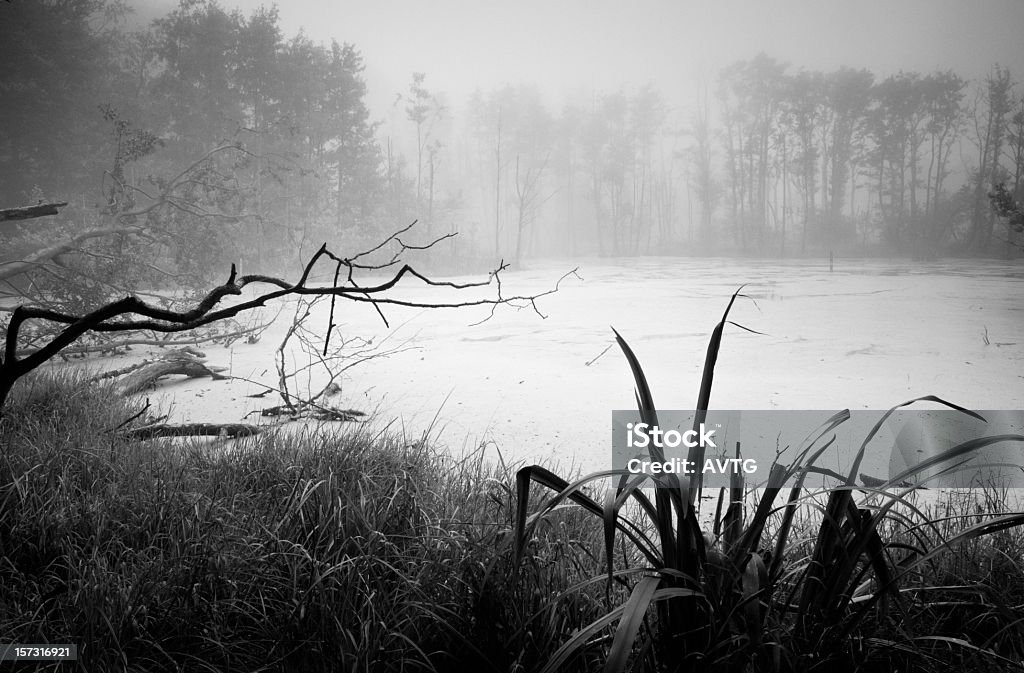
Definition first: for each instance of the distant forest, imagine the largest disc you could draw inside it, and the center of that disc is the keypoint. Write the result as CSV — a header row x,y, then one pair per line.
x,y
210,137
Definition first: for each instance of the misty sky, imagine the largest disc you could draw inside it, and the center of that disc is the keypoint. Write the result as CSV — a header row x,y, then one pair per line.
x,y
584,45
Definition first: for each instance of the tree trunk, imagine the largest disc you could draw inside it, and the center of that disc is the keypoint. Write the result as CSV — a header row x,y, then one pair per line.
x,y
31,212
191,430
182,362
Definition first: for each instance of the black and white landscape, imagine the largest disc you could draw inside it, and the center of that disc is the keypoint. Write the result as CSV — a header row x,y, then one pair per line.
x,y
286,450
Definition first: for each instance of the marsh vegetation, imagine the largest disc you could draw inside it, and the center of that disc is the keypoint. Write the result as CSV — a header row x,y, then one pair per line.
x,y
367,550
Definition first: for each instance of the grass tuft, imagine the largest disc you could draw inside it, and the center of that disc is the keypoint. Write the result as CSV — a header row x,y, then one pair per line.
x,y
314,551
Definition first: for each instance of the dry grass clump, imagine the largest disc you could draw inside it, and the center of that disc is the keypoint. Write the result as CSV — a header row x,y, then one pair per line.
x,y
312,551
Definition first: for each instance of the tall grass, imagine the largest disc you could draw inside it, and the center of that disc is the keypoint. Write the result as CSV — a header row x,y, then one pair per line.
x,y
369,551
826,593
325,551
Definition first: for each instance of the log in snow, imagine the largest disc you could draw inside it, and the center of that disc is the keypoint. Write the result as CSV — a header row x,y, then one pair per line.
x,y
187,362
191,430
31,212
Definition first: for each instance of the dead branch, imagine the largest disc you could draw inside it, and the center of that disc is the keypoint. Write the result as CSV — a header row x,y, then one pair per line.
x,y
125,223
302,310
252,334
12,269
119,316
311,411
141,412
114,373
598,356
186,362
31,212
191,430
349,353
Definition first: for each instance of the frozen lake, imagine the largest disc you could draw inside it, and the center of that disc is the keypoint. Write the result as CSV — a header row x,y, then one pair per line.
x,y
868,335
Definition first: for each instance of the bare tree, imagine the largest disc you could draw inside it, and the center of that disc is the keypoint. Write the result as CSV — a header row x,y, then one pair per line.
x,y
991,107
528,198
425,111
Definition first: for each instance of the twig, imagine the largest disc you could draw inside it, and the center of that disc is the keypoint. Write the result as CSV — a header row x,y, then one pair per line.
x,y
131,418
607,348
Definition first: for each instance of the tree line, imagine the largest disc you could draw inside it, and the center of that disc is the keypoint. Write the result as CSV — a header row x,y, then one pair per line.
x,y
844,154
259,146
769,160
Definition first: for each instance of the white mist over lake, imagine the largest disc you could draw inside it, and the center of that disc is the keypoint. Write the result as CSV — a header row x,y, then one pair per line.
x,y
868,335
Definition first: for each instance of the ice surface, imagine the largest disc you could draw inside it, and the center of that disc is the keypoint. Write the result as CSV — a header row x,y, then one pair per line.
x,y
869,335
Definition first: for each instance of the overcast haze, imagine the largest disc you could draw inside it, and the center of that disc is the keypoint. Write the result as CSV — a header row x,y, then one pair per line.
x,y
576,44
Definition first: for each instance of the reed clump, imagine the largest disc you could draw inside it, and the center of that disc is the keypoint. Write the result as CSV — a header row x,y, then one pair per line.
x,y
850,578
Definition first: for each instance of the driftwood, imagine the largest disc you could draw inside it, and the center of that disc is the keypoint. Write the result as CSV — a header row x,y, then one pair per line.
x,y
311,411
186,361
31,212
191,430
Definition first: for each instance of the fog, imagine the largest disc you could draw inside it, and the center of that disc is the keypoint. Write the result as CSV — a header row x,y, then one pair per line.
x,y
289,296
658,137
604,45
664,104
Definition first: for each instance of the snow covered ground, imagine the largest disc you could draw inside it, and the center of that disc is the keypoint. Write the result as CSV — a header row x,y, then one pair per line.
x,y
868,335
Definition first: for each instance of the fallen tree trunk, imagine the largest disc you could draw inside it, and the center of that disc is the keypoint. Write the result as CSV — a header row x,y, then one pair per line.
x,y
191,430
37,258
187,362
31,212
252,334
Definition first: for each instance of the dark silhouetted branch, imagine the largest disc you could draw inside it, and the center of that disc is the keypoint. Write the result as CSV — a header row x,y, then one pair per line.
x,y
31,212
133,314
